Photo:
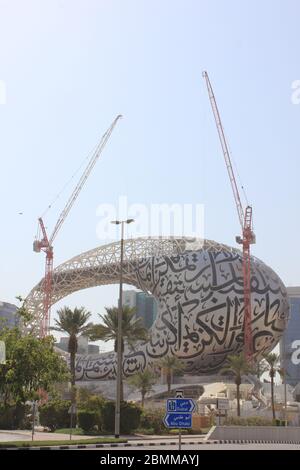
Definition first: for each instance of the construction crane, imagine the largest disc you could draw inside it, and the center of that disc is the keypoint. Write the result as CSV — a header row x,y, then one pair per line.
x,y
245,219
45,244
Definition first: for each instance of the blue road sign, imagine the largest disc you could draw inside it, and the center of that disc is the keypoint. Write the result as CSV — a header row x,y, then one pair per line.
x,y
182,405
178,420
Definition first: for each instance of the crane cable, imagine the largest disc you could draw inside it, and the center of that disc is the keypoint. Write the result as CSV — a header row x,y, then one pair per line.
x,y
68,182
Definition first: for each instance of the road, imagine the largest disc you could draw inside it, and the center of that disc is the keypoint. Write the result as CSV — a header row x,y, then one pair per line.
x,y
7,436
151,443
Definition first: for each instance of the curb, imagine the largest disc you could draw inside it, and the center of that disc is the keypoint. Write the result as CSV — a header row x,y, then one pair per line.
x,y
105,446
150,444
254,441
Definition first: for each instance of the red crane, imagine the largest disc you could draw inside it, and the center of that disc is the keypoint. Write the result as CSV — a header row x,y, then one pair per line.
x,y
245,218
46,243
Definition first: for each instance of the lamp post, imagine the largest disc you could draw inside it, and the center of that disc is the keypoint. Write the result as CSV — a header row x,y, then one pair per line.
x,y
119,333
284,376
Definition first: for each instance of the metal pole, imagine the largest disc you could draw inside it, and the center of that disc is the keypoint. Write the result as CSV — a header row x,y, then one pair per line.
x,y
119,341
33,420
179,440
71,422
284,378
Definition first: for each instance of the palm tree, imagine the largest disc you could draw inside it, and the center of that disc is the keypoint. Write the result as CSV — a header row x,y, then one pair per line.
x,y
74,323
238,366
260,368
171,365
132,329
143,382
272,366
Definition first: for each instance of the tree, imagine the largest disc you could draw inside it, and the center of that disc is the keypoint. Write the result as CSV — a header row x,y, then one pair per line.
x,y
143,381
272,366
132,330
238,366
74,323
260,368
31,364
171,365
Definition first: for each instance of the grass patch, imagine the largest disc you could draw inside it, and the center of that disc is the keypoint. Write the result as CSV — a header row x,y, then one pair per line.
x,y
151,432
95,440
77,432
176,431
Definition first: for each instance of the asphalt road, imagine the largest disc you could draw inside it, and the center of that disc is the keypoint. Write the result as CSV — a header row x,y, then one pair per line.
x,y
14,437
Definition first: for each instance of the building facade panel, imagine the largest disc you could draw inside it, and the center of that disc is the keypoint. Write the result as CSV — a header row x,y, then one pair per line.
x,y
290,343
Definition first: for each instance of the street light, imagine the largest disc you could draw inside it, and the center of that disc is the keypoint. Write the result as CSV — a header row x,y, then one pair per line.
x,y
119,334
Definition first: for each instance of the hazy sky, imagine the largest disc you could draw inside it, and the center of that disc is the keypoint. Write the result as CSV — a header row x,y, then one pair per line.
x,y
67,68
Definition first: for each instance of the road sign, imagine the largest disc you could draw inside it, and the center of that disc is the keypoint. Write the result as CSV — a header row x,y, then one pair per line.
x,y
72,409
183,405
178,420
223,404
179,394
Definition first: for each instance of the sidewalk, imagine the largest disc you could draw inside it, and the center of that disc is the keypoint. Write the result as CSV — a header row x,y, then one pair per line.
x,y
24,435
146,437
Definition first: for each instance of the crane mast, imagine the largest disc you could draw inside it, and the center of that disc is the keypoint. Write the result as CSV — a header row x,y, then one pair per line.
x,y
245,219
45,244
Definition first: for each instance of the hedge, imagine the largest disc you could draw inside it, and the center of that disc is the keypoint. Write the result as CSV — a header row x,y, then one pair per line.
x,y
12,416
55,414
250,421
87,420
130,417
153,420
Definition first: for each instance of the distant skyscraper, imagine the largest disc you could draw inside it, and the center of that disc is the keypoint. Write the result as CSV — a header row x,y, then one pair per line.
x,y
290,342
83,345
8,315
145,305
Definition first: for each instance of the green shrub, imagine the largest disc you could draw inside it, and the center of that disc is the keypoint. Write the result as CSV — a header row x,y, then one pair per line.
x,y
87,420
87,401
280,422
12,416
55,415
130,417
250,421
153,419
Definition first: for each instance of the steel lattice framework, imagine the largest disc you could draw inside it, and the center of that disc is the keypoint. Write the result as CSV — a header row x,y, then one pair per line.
x,y
101,266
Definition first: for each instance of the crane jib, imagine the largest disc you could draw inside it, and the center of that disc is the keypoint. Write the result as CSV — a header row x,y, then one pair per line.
x,y
46,244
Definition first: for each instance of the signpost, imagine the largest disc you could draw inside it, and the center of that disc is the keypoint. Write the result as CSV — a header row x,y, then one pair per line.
x,y
179,413
178,420
72,411
183,405
222,406
34,407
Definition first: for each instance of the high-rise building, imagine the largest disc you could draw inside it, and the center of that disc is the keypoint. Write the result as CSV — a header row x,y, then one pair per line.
x,y
145,305
290,342
8,315
83,345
